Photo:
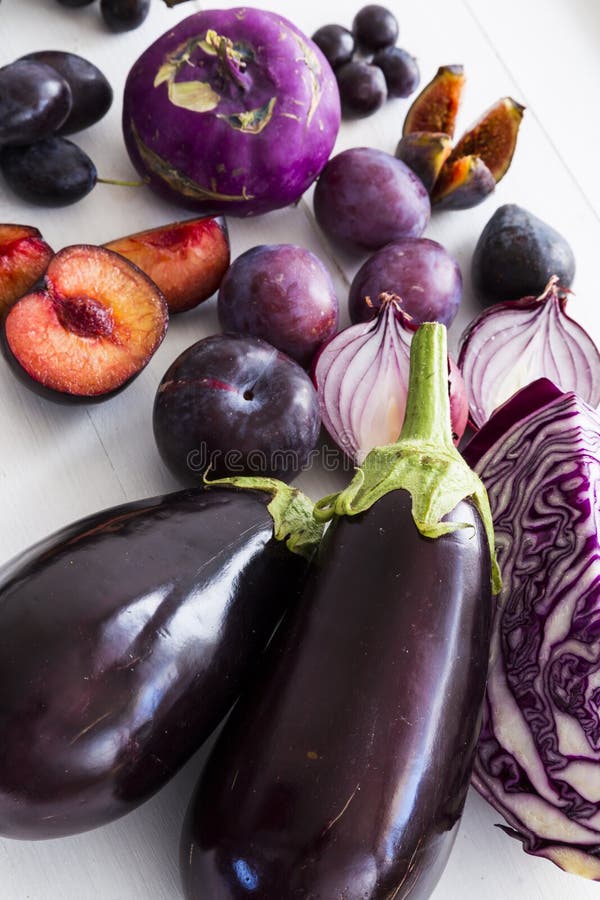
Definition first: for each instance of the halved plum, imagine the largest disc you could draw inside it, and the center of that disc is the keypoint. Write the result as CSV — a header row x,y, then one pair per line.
x,y
24,257
425,152
187,260
462,183
436,107
493,137
91,330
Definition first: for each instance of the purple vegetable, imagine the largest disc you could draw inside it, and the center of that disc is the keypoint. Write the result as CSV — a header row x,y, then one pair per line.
x,y
126,637
343,770
231,111
538,760
513,343
361,376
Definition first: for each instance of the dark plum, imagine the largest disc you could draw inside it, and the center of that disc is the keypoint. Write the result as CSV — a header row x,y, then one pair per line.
x,y
516,254
375,27
34,102
422,273
124,15
283,294
52,172
336,43
400,70
124,639
362,88
367,198
237,405
90,90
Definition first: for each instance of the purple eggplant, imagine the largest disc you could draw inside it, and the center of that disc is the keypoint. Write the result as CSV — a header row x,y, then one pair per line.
x,y
343,770
125,638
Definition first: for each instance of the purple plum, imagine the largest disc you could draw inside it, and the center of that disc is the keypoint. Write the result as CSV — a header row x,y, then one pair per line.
x,y
367,198
420,271
283,294
238,406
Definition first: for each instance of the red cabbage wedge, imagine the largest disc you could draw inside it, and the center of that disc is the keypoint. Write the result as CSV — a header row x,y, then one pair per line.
x,y
538,759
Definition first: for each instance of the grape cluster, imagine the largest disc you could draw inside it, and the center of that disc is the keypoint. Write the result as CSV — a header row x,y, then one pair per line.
x,y
43,97
368,65
119,15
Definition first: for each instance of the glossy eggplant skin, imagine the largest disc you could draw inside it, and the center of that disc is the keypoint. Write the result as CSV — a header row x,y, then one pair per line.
x,y
124,640
343,771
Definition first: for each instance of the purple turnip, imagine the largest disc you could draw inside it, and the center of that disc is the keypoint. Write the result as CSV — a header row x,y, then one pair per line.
x,y
231,111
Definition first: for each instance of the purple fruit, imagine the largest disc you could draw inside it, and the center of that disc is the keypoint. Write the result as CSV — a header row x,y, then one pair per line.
x,y
375,27
34,102
400,70
368,198
336,44
124,15
420,271
283,294
235,404
90,90
362,88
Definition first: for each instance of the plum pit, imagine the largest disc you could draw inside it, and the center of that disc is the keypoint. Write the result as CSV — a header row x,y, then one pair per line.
x,y
85,316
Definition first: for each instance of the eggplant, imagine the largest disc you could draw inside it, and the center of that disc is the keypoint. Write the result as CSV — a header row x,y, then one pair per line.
x,y
124,640
343,770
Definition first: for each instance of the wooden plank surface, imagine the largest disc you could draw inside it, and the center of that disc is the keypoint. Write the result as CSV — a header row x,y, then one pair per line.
x,y
59,463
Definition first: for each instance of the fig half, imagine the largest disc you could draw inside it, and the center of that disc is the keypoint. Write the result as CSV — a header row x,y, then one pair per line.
x,y
493,137
464,176
425,152
462,183
436,107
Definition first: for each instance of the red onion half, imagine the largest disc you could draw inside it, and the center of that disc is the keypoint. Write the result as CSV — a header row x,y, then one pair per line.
x,y
361,376
514,343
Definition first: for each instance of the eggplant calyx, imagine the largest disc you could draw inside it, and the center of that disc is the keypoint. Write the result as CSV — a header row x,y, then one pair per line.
x,y
423,461
290,509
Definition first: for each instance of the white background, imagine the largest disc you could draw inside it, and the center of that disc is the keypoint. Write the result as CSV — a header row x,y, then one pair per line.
x,y
60,463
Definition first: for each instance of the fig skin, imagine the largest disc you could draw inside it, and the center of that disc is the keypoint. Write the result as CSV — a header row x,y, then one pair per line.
x,y
515,256
425,152
463,183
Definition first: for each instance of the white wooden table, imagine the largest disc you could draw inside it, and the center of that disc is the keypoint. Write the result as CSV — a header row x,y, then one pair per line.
x,y
60,463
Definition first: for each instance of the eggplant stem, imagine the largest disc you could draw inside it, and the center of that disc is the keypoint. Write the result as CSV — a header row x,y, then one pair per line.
x,y
427,416
423,461
290,509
